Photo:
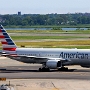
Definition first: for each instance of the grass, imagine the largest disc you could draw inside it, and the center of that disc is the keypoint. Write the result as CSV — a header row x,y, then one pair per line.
x,y
62,46
55,43
51,31
78,47
81,44
45,37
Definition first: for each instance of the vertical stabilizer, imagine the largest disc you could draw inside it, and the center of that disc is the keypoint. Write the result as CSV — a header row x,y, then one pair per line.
x,y
6,41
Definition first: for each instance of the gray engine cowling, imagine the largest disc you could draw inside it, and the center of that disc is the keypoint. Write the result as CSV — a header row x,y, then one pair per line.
x,y
53,64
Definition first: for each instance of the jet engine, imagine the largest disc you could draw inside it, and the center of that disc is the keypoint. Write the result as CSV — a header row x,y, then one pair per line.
x,y
53,64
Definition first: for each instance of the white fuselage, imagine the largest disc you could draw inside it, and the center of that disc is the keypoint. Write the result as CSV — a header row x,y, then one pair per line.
x,y
77,56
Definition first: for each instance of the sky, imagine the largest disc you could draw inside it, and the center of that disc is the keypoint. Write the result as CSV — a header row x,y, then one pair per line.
x,y
44,6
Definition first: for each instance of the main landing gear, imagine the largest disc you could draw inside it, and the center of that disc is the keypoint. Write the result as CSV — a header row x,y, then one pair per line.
x,y
63,69
44,68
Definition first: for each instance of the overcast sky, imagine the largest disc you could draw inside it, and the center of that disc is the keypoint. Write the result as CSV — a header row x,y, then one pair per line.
x,y
44,6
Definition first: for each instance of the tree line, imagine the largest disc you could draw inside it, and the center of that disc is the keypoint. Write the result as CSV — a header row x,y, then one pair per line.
x,y
47,19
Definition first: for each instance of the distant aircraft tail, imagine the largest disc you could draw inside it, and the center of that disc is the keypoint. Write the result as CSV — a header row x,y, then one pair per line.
x,y
8,44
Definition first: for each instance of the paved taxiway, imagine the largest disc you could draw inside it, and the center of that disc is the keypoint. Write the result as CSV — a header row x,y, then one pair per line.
x,y
14,69
27,77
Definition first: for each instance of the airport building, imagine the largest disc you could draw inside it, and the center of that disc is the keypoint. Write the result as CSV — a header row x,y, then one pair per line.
x,y
19,13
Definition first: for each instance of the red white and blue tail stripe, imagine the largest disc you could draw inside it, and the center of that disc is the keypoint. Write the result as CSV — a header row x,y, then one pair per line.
x,y
8,44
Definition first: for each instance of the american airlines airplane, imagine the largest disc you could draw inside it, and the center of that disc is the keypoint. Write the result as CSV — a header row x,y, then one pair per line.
x,y
50,58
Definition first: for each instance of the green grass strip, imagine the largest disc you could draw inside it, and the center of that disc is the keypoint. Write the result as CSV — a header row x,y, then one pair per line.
x,y
45,37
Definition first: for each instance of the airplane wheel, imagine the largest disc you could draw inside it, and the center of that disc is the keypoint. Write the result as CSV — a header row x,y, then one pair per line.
x,y
47,69
40,69
63,69
44,69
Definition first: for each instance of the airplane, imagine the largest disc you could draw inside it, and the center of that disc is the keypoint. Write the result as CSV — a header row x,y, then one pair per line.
x,y
50,58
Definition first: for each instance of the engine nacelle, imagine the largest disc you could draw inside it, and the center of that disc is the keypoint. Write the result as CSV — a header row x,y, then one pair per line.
x,y
53,64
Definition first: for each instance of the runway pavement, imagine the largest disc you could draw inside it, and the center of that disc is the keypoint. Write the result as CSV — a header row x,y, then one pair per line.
x,y
12,69
27,77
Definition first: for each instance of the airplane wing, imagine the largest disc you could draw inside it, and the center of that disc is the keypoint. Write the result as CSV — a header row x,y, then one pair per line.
x,y
35,57
42,58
